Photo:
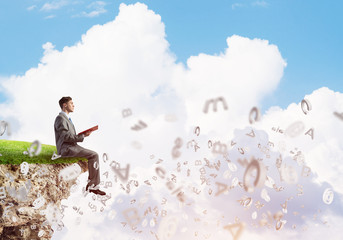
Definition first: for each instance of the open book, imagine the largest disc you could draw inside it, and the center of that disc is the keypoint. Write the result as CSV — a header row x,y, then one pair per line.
x,y
89,130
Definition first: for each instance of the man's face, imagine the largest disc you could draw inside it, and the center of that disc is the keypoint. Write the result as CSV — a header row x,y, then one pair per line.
x,y
69,106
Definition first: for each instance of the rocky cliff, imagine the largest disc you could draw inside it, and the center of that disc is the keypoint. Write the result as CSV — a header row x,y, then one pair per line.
x,y
30,198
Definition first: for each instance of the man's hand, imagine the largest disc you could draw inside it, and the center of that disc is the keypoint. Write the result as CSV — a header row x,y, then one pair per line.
x,y
87,133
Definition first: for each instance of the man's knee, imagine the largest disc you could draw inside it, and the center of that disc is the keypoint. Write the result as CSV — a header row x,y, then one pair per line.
x,y
95,154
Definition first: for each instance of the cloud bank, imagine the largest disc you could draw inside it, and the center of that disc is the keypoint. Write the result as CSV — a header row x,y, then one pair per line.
x,y
123,77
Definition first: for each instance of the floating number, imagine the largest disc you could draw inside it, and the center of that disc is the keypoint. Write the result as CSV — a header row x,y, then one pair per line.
x,y
328,196
254,115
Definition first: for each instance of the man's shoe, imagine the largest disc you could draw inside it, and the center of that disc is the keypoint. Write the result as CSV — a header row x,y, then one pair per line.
x,y
97,191
91,187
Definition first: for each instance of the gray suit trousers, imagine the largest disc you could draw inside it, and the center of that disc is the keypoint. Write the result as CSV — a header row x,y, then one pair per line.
x,y
93,162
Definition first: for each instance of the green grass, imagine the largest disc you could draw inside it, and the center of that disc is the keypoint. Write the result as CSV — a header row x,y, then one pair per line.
x,y
12,153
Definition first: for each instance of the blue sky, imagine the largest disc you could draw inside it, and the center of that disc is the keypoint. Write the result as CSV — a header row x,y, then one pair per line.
x,y
307,33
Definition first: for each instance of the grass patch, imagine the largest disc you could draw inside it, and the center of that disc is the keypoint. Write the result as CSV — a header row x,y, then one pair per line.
x,y
12,153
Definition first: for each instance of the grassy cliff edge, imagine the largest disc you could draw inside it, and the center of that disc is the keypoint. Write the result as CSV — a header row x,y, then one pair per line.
x,y
12,152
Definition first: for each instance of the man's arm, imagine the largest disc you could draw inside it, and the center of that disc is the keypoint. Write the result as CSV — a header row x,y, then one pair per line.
x,y
67,136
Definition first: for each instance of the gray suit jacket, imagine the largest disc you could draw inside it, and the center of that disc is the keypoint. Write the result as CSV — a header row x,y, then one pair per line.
x,y
65,135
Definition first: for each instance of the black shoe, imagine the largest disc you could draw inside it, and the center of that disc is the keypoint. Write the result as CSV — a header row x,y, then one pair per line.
x,y
97,191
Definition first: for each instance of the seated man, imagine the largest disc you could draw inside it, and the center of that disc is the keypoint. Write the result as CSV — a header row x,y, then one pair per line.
x,y
66,144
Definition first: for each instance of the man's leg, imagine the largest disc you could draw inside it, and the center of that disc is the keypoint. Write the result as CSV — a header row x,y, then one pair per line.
x,y
93,167
93,163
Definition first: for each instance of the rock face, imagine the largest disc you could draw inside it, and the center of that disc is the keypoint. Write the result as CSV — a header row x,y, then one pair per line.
x,y
30,201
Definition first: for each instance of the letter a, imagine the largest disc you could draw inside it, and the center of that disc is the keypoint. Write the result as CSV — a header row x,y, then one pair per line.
x,y
310,132
235,229
251,134
221,188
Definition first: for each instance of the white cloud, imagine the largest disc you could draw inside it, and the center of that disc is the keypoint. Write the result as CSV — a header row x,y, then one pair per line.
x,y
55,5
96,8
31,8
50,16
126,63
48,48
260,4
324,152
248,70
253,4
237,5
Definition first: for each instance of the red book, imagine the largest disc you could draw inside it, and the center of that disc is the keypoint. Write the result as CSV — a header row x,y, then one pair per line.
x,y
90,130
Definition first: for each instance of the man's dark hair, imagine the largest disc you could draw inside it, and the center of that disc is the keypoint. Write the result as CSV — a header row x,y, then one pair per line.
x,y
64,100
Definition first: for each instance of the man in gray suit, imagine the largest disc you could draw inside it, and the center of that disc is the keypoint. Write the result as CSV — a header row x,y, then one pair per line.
x,y
66,144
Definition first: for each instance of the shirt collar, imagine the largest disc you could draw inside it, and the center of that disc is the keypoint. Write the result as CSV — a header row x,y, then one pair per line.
x,y
65,114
